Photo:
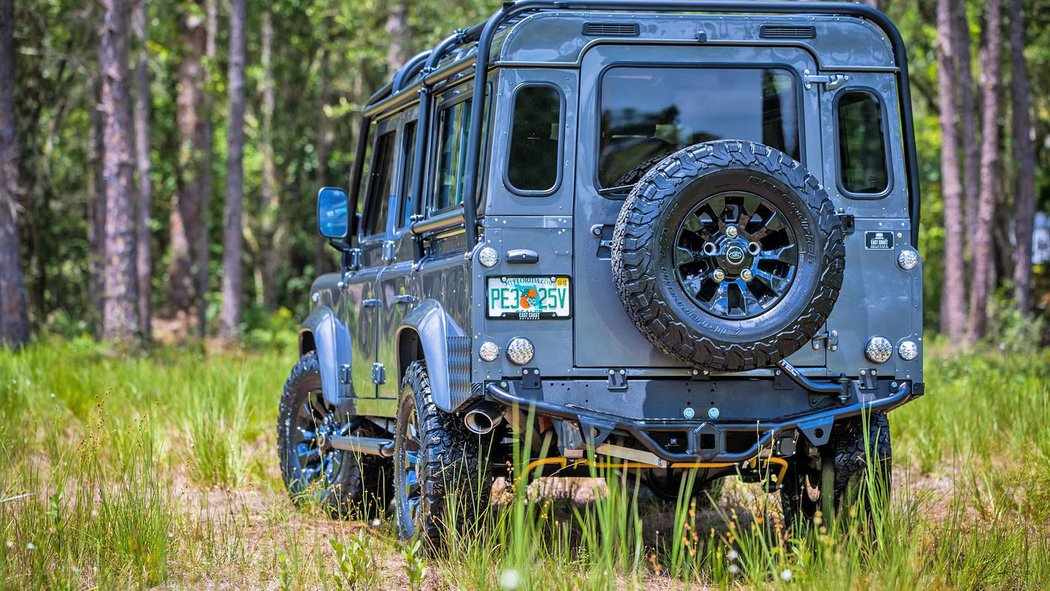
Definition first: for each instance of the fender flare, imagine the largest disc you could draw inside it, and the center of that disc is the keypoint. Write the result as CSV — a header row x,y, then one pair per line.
x,y
324,333
428,332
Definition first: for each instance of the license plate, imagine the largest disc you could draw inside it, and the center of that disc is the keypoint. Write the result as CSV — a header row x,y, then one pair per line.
x,y
529,298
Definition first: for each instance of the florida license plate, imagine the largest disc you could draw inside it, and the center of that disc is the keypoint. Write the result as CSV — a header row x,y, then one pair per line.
x,y
529,298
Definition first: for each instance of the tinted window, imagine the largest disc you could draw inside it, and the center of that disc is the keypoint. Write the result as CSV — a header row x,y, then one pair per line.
x,y
379,185
452,153
366,167
534,139
408,199
650,112
862,147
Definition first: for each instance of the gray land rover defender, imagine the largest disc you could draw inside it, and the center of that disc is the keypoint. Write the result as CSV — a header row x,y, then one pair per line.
x,y
655,236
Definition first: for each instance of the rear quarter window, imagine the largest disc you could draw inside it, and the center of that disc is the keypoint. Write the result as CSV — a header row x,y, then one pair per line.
x,y
863,166
535,140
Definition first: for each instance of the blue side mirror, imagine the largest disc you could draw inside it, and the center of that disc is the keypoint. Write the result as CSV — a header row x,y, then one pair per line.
x,y
332,209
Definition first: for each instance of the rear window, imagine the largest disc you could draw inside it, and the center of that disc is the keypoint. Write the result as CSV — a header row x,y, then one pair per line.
x,y
534,150
649,112
862,146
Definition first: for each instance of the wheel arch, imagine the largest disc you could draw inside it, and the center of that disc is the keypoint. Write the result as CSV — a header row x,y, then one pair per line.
x,y
430,334
323,333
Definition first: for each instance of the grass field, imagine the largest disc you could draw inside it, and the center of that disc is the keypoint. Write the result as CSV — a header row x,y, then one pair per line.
x,y
161,472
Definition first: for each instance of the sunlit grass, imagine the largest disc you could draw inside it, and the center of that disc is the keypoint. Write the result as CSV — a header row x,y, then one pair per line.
x,y
161,472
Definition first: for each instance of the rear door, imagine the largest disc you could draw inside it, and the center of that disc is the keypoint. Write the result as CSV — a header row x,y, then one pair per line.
x,y
645,102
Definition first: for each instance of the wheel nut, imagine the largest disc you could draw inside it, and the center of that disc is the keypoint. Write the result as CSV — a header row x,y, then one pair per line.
x,y
719,274
746,274
731,231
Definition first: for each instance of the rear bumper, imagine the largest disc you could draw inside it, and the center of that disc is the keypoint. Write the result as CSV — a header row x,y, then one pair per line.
x,y
748,415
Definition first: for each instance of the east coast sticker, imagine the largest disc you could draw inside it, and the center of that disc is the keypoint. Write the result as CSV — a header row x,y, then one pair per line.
x,y
879,240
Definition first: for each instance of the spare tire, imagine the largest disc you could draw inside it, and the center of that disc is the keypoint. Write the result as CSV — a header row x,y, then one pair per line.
x,y
728,255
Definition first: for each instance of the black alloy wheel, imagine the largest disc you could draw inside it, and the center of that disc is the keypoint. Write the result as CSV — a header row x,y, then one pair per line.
x,y
342,482
735,256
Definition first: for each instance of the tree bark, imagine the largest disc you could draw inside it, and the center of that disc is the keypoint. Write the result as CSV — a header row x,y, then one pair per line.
x,y
96,217
187,212
953,301
968,116
270,201
144,205
983,255
322,262
120,313
232,272
14,315
201,276
1024,150
397,30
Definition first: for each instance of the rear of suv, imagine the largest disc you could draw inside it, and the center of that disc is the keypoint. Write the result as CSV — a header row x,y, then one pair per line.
x,y
688,245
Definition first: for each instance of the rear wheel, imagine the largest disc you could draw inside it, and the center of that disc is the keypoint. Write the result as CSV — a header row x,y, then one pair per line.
x,y
312,469
666,484
441,472
854,473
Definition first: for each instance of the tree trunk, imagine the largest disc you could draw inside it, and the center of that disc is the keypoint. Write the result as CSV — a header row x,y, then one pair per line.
x,y
983,255
96,217
144,206
968,116
120,312
1024,150
953,301
397,30
187,213
201,277
14,316
324,145
232,272
270,200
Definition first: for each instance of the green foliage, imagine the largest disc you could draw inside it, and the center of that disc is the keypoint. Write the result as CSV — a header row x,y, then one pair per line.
x,y
415,564
99,487
356,563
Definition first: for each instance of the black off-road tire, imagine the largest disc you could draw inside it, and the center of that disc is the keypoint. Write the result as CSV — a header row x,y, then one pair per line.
x,y
360,484
854,445
652,295
452,465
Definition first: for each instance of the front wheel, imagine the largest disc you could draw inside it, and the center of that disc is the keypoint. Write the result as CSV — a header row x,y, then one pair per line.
x,y
442,477
338,480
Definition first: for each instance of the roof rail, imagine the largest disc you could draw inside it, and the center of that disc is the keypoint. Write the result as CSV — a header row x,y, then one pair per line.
x,y
511,10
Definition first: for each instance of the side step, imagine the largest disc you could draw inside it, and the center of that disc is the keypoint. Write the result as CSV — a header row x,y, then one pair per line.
x,y
364,445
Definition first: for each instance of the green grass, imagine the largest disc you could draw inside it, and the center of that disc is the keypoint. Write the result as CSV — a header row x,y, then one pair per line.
x,y
160,471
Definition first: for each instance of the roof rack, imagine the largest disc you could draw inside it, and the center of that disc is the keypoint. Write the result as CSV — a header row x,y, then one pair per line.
x,y
483,33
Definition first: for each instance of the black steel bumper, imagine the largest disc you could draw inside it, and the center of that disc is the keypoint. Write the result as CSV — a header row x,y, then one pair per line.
x,y
771,414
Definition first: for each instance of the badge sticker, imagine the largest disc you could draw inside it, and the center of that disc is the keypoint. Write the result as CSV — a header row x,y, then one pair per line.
x,y
878,240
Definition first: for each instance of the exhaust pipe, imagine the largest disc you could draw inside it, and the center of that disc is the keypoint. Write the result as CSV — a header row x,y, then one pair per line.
x,y
483,417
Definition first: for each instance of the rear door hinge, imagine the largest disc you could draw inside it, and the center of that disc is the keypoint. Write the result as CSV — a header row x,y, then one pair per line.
x,y
378,373
832,338
830,81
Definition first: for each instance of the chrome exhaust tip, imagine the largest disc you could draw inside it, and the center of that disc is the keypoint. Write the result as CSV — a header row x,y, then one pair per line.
x,y
483,417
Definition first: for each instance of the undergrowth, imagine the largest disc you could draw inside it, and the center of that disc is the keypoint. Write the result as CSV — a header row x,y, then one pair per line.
x,y
161,472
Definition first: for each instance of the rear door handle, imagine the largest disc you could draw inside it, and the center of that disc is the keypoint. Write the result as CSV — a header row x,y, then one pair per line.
x,y
522,256
405,299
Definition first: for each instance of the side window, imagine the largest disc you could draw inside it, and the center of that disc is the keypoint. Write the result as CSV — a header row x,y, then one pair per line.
x,y
862,145
534,149
366,167
379,182
453,122
408,199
